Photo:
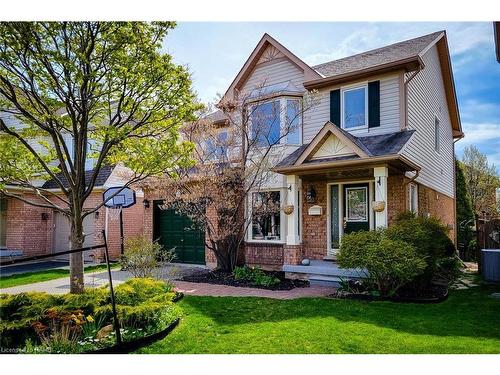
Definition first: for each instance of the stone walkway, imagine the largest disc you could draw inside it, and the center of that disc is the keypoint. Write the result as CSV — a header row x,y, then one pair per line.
x,y
95,279
203,289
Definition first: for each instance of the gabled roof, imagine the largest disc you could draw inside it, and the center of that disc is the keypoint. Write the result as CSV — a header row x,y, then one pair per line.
x,y
367,147
102,177
256,54
397,52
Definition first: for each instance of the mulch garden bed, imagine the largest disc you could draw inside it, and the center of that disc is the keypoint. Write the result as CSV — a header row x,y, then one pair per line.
x,y
432,294
227,278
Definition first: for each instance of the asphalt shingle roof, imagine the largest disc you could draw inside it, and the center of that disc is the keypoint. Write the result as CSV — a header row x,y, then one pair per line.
x,y
374,145
102,177
380,56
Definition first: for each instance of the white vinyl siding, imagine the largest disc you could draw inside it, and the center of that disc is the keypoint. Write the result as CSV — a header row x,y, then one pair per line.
x,y
389,109
272,73
426,99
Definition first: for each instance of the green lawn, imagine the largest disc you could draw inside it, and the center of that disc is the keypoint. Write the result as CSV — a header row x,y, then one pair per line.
x,y
468,322
38,276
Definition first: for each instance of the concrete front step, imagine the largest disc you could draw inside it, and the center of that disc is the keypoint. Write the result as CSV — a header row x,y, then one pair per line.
x,y
332,281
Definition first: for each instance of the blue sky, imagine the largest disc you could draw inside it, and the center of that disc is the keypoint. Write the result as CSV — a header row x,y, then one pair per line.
x,y
215,51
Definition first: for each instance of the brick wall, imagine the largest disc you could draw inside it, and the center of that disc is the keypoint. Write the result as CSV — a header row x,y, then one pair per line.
x,y
29,233
429,202
314,235
265,255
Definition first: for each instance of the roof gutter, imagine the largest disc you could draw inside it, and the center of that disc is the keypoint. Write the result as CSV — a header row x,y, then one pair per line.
x,y
346,163
410,64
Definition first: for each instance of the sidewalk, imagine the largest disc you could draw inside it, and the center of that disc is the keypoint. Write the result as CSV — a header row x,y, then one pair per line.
x,y
92,280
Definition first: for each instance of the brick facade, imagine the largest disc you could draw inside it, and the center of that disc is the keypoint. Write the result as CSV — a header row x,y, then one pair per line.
x,y
430,202
314,227
31,229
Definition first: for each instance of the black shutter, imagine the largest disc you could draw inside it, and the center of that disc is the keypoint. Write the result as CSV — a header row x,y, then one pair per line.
x,y
373,104
335,107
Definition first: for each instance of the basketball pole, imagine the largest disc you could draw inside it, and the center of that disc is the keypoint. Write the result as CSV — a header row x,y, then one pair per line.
x,y
122,245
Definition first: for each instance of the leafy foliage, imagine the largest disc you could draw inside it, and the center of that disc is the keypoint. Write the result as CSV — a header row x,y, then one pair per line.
x,y
465,214
58,322
255,276
142,258
390,263
74,91
430,239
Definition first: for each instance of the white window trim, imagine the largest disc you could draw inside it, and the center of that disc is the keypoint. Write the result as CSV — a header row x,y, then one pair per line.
x,y
283,112
282,217
414,187
437,134
345,89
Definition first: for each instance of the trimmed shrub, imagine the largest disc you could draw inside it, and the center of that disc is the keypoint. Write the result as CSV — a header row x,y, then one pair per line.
x,y
41,318
390,263
430,238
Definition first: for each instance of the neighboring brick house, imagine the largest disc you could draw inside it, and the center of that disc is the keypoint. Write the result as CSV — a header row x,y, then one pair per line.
x,y
379,142
29,230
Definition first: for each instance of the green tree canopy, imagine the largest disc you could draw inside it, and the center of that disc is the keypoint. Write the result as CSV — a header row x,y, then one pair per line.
x,y
70,91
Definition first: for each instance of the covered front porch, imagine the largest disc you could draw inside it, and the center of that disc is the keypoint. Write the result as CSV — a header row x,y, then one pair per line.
x,y
339,184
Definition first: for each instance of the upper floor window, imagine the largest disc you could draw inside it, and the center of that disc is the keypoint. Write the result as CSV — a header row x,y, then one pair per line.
x,y
276,121
437,134
355,107
216,147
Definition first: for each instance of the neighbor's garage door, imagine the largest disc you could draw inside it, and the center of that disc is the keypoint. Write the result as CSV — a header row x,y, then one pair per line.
x,y
176,231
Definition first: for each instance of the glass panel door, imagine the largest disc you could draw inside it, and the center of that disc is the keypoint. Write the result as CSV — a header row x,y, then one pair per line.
x,y
334,219
356,213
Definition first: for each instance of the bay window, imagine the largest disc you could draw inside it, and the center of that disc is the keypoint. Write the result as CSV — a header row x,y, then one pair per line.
x,y
276,121
355,107
266,216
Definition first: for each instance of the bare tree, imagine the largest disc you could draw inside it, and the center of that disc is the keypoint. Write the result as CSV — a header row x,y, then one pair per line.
x,y
234,158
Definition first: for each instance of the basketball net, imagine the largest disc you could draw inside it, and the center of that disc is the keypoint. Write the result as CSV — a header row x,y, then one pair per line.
x,y
114,212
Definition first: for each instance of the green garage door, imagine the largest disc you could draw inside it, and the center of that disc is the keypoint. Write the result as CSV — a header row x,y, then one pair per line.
x,y
174,230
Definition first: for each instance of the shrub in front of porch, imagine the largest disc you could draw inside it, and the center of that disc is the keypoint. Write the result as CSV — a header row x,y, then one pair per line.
x,y
430,238
391,263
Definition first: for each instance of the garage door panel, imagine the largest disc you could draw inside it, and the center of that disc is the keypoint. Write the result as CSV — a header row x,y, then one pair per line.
x,y
176,231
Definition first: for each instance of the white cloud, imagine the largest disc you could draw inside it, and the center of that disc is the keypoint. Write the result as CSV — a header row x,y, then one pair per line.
x,y
478,133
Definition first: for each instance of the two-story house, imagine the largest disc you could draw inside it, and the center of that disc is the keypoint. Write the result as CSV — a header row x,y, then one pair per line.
x,y
379,141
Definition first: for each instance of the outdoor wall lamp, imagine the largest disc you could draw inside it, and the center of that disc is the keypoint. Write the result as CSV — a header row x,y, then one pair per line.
x,y
96,215
310,194
45,216
146,202
379,181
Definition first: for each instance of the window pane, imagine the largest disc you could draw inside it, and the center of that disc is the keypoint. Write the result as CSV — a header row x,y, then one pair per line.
x,y
436,134
292,126
354,108
266,216
357,204
265,120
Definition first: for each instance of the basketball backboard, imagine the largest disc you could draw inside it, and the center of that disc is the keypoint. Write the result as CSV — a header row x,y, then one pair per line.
x,y
119,196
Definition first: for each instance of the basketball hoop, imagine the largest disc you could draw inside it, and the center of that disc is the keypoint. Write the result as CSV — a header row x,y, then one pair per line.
x,y
114,212
115,199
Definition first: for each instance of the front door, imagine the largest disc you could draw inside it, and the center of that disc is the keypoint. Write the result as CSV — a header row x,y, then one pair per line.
x,y
178,232
356,208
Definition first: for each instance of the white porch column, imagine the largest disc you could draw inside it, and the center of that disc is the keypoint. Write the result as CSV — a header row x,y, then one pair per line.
x,y
292,198
381,174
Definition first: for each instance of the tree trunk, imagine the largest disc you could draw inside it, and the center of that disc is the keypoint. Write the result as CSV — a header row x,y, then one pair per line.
x,y
76,259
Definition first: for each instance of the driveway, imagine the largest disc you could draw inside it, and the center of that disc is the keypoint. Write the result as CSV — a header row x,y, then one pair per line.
x,y
32,267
